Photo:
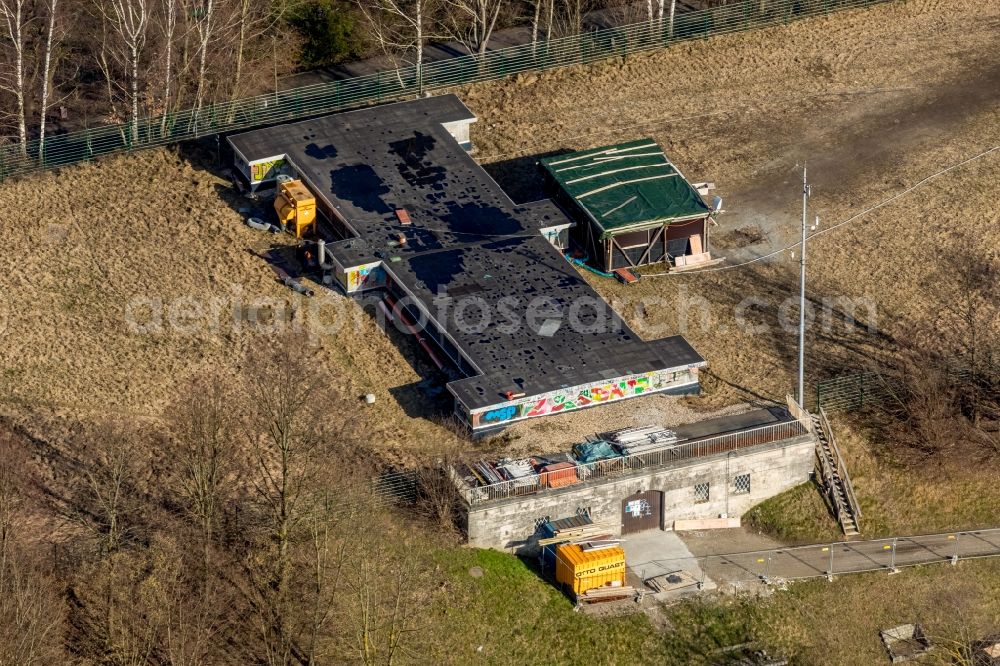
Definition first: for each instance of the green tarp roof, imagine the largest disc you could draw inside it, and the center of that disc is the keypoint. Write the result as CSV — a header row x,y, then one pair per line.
x,y
624,186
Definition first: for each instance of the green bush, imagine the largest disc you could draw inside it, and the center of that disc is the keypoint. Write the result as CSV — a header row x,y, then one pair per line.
x,y
331,33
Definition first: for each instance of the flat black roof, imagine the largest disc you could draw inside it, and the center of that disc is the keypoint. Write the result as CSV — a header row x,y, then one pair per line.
x,y
467,241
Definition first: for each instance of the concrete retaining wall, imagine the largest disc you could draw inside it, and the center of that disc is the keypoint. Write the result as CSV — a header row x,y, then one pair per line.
x,y
773,468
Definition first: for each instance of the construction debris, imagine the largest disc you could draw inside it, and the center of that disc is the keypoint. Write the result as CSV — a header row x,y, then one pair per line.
x,y
671,581
905,642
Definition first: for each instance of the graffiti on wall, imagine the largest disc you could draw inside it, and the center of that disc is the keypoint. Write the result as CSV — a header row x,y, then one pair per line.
x,y
366,275
268,170
595,394
576,398
500,414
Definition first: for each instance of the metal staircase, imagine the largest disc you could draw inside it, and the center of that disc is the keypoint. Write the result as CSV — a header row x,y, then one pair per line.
x,y
835,479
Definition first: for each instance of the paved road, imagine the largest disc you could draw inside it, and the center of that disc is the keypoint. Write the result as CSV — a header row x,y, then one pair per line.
x,y
843,557
851,557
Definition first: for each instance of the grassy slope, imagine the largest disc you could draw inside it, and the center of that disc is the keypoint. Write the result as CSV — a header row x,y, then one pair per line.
x,y
517,618
895,499
712,105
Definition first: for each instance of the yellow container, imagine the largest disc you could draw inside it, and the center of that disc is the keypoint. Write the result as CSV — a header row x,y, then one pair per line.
x,y
583,570
295,206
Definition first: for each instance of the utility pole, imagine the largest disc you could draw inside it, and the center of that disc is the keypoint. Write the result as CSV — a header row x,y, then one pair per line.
x,y
806,191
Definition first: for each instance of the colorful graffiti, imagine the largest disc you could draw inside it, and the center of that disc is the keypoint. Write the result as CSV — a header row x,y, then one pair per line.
x,y
261,171
563,402
501,414
367,275
588,396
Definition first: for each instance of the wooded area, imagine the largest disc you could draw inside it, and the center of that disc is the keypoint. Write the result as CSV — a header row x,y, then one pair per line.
x,y
239,530
67,64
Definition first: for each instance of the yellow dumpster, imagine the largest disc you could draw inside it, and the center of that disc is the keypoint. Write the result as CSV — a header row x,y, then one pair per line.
x,y
295,206
582,570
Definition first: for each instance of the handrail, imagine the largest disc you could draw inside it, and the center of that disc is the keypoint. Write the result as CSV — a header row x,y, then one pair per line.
x,y
842,468
586,472
799,412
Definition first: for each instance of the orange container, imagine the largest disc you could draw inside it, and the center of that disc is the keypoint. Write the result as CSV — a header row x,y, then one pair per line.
x,y
582,570
558,475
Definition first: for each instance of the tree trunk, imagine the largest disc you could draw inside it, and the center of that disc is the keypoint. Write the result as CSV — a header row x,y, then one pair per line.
x,y
534,24
419,26
13,15
171,11
241,45
134,52
205,33
46,67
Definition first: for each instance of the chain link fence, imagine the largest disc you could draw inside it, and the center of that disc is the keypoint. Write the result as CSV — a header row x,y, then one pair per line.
x,y
743,570
308,101
853,392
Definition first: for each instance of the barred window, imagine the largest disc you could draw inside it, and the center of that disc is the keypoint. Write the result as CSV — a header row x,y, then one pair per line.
x,y
741,484
701,493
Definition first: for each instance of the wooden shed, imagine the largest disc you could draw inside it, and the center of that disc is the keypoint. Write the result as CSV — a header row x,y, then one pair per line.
x,y
633,205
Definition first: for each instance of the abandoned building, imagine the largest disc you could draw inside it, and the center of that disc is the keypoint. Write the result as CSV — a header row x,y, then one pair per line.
x,y
483,282
633,205
696,476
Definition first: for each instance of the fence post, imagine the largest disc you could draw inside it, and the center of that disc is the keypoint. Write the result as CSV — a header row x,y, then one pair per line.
x,y
954,557
892,558
829,573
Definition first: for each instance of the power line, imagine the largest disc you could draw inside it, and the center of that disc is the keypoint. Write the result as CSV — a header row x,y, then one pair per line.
x,y
854,217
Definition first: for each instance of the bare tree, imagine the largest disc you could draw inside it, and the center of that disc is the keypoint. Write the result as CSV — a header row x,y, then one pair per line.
x,y
104,501
399,28
203,448
12,480
385,593
295,429
129,21
15,16
254,19
31,614
204,11
169,29
326,563
471,22
53,7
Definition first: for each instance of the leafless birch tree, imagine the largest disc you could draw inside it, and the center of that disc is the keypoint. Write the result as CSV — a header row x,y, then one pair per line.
x,y
50,43
471,22
129,21
15,16
169,30
399,28
204,25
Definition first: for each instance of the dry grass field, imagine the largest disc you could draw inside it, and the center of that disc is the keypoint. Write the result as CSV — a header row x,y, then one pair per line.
x,y
874,100
123,277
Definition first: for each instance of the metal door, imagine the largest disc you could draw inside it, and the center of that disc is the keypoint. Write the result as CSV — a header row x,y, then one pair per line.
x,y
642,511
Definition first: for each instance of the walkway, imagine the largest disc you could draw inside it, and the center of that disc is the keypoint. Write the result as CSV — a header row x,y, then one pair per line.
x,y
817,560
